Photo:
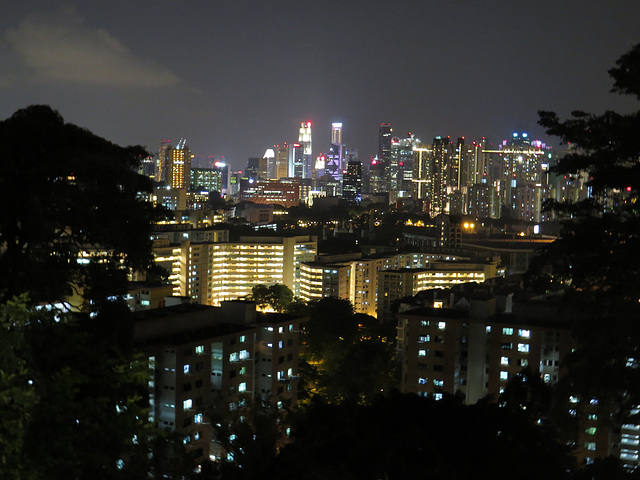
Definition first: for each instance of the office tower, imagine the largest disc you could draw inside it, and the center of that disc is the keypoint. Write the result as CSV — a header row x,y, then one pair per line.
x,y
180,166
401,167
336,133
384,141
296,162
441,158
285,192
333,163
421,179
209,179
352,182
520,180
223,168
270,160
383,162
164,161
257,168
281,161
304,139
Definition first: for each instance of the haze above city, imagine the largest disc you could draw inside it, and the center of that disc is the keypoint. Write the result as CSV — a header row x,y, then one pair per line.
x,y
236,77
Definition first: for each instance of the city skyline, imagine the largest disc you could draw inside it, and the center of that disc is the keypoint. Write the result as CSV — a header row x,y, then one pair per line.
x,y
236,78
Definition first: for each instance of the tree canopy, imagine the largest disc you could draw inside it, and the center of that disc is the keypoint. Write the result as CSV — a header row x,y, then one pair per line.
x,y
597,252
72,215
596,259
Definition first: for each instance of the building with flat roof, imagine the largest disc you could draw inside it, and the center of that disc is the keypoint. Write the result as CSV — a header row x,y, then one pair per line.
x,y
202,357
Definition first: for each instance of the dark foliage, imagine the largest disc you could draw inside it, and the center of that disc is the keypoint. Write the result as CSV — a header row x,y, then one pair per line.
x,y
64,191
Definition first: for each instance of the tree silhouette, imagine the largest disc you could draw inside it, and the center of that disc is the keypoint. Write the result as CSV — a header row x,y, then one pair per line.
x,y
72,216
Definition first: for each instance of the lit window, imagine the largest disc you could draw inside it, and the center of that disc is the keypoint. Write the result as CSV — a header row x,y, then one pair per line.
x,y
488,329
186,368
422,381
244,354
424,338
507,331
200,349
422,353
187,404
573,399
591,431
590,446
593,401
424,323
442,325
504,360
438,383
524,333
523,347
197,418
242,387
504,375
243,338
437,396
233,357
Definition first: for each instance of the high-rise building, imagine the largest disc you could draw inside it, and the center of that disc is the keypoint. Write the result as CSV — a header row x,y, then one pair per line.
x,y
270,159
296,163
441,158
164,161
224,356
383,162
180,166
401,167
304,139
336,133
209,179
281,169
352,182
421,179
208,270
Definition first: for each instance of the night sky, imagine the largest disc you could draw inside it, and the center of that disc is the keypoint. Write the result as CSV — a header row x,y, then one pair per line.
x,y
236,77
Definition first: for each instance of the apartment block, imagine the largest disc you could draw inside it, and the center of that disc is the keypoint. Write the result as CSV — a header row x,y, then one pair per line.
x,y
201,356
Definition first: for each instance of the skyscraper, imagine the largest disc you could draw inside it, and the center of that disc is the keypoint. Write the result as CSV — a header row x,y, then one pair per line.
x,y
352,183
296,164
383,162
304,139
281,169
336,133
180,166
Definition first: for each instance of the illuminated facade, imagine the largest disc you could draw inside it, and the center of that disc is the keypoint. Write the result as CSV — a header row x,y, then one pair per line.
x,y
304,139
358,279
318,280
209,272
399,283
209,179
352,182
281,167
284,192
180,166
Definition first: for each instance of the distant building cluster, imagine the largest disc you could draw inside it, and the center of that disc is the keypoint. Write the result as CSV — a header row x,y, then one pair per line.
x,y
476,178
